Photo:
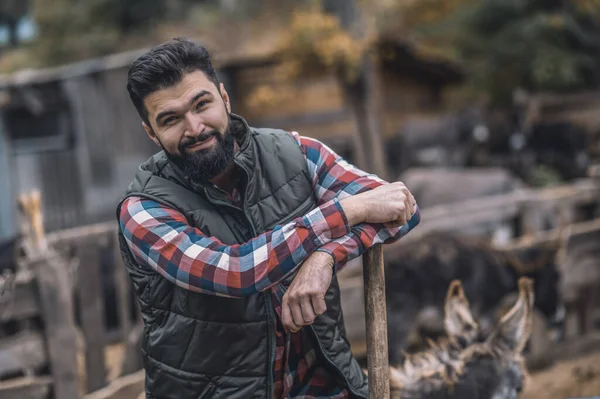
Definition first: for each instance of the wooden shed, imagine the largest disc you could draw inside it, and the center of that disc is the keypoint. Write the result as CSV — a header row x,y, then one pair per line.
x,y
407,86
73,133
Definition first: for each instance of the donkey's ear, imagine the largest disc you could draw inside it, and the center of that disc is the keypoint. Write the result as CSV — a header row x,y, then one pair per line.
x,y
458,320
514,329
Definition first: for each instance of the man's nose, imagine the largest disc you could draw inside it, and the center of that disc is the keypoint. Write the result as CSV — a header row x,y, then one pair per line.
x,y
194,124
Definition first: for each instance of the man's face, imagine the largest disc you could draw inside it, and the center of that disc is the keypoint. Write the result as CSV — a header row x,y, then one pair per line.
x,y
190,121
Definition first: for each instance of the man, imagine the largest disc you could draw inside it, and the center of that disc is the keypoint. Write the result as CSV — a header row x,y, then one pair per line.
x,y
233,235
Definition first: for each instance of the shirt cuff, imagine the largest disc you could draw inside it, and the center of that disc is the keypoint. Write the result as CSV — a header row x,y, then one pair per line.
x,y
327,222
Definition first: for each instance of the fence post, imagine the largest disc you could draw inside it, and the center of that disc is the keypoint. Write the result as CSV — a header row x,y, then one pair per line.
x,y
376,320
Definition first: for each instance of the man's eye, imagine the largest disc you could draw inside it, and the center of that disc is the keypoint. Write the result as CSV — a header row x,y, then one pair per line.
x,y
169,120
201,104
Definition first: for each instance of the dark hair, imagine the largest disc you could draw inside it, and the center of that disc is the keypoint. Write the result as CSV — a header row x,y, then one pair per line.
x,y
164,66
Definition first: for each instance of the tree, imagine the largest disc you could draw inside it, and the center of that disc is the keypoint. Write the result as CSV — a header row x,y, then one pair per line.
x,y
537,45
332,37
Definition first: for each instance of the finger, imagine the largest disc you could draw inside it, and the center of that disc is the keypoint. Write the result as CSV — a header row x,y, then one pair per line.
x,y
297,314
409,204
318,304
393,225
308,314
286,317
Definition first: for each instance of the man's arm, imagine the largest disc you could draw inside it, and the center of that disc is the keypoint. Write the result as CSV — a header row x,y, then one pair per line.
x,y
160,238
333,177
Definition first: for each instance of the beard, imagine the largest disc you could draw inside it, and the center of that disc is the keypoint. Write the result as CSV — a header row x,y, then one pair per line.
x,y
203,165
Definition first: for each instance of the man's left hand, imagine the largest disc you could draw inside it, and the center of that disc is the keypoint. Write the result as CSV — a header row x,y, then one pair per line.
x,y
305,298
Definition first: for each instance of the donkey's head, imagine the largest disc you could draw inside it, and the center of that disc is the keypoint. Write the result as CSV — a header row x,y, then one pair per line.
x,y
467,365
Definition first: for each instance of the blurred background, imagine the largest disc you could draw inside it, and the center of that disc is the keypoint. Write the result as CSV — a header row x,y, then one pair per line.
x,y
496,100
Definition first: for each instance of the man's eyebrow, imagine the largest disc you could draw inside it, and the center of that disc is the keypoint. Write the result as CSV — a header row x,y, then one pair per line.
x,y
199,95
171,112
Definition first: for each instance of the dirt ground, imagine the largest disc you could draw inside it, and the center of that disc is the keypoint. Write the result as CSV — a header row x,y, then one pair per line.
x,y
577,378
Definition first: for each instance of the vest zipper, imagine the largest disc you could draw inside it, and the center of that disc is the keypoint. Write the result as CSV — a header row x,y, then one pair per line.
x,y
335,367
267,295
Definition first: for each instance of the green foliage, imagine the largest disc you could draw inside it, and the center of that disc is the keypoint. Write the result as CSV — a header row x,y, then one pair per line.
x,y
539,45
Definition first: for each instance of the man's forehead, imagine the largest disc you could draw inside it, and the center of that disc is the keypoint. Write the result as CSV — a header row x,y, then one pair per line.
x,y
181,93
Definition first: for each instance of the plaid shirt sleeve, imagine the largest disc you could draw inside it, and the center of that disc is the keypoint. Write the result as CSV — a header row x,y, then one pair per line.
x,y
160,238
333,177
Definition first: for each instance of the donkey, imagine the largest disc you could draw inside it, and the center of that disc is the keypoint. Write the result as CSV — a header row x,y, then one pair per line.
x,y
468,364
418,275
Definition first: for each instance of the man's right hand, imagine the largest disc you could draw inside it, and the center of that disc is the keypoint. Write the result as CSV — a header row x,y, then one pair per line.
x,y
392,204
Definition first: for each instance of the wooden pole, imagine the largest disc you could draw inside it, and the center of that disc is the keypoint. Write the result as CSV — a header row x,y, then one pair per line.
x,y
376,319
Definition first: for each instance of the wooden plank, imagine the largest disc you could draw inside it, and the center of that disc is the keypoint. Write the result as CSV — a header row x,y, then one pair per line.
x,y
26,388
123,286
352,285
23,301
132,361
489,208
92,313
22,353
77,233
376,321
133,356
127,387
57,312
353,306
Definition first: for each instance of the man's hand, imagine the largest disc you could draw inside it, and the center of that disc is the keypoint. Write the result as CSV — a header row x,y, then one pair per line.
x,y
305,298
392,204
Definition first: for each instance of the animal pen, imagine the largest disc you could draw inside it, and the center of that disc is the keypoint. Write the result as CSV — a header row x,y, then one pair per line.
x,y
53,335
40,345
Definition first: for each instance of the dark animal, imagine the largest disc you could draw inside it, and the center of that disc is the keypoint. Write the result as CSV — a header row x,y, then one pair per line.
x,y
434,141
469,364
435,186
417,277
8,253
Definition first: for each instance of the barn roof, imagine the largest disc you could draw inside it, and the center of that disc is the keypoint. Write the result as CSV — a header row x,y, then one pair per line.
x,y
261,51
116,61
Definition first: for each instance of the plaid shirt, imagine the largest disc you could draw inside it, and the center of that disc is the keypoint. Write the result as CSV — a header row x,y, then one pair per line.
x,y
160,238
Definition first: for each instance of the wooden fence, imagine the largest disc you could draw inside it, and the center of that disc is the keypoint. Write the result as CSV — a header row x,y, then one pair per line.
x,y
54,337
39,358
534,217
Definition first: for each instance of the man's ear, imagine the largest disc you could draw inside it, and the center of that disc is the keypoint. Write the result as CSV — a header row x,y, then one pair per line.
x,y
458,320
225,97
151,134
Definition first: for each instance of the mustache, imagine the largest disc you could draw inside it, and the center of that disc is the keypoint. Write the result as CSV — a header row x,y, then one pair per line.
x,y
189,141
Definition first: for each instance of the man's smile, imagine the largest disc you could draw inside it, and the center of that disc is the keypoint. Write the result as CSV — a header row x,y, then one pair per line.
x,y
200,145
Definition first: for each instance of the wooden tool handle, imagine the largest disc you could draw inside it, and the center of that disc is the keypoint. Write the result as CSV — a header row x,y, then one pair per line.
x,y
376,320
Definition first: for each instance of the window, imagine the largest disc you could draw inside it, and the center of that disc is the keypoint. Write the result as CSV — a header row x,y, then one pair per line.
x,y
37,118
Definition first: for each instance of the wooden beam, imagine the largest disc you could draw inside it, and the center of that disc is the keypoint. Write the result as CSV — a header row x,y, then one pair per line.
x,y
352,285
487,209
22,353
8,222
127,387
132,361
57,312
376,322
92,313
26,388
